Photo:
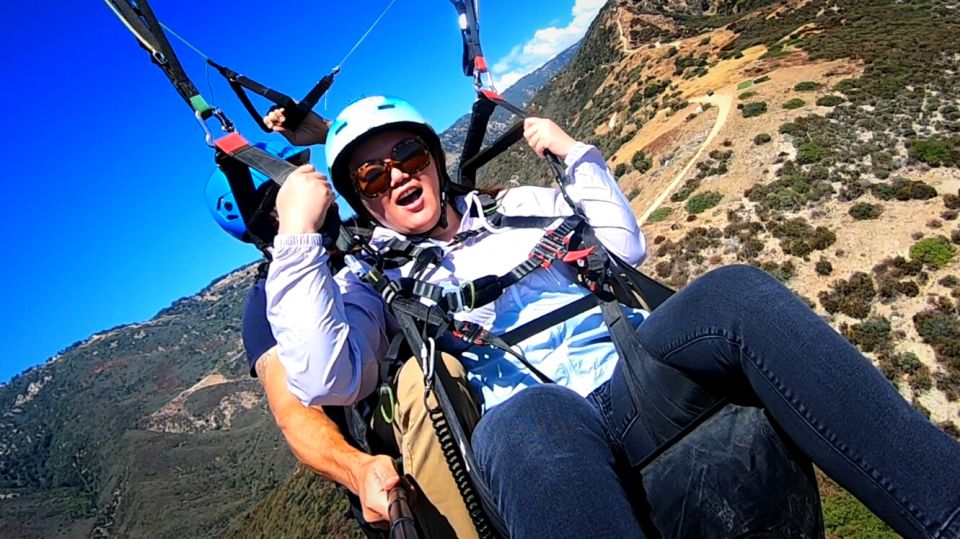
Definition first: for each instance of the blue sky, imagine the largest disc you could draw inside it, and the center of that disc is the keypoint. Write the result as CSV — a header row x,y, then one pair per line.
x,y
106,166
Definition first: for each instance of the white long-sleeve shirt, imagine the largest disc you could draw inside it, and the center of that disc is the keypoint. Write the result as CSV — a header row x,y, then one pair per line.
x,y
331,329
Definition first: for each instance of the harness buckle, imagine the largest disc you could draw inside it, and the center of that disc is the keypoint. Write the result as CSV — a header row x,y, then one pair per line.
x,y
454,299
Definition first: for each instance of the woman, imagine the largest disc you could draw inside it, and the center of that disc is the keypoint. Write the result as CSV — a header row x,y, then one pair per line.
x,y
735,332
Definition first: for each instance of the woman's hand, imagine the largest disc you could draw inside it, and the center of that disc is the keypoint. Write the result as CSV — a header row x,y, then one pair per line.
x,y
543,135
313,129
303,201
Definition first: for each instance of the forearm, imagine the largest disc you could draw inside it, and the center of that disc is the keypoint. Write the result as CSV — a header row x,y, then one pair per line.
x,y
314,438
328,346
604,205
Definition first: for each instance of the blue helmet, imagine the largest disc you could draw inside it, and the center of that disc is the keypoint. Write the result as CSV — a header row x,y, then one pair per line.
x,y
220,198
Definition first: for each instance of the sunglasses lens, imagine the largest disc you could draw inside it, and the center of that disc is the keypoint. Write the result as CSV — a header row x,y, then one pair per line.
x,y
411,156
372,179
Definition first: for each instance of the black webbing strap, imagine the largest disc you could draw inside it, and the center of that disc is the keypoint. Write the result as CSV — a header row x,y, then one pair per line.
x,y
479,119
139,19
531,328
467,171
473,61
408,327
294,112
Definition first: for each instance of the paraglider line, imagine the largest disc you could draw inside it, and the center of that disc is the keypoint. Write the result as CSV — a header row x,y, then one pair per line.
x,y
362,38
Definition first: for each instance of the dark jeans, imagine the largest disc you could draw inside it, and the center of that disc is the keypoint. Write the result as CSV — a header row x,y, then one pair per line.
x,y
554,460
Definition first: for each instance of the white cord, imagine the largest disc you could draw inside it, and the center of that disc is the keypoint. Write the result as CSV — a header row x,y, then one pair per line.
x,y
374,25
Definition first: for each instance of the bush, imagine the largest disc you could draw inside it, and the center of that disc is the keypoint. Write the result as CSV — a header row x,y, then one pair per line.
x,y
809,152
620,170
949,281
791,129
794,103
798,238
754,109
936,252
807,86
660,214
641,162
847,85
903,189
823,267
781,272
746,95
852,297
829,101
702,202
863,211
762,139
934,152
871,335
951,201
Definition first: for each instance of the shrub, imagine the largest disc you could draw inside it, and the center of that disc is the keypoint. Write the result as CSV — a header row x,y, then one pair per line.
x,y
829,101
807,86
702,202
809,152
951,201
620,170
936,252
791,129
762,139
863,211
641,162
754,109
903,189
847,85
908,362
949,281
852,297
798,238
781,272
746,95
934,152
794,103
660,214
823,267
871,335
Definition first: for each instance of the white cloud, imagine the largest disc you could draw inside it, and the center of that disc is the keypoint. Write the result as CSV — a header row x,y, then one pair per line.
x,y
545,44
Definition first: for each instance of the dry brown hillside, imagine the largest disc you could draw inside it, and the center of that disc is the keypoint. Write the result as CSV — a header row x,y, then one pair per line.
x,y
804,137
818,140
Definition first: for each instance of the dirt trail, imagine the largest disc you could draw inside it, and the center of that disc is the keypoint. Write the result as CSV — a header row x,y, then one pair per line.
x,y
723,100
624,42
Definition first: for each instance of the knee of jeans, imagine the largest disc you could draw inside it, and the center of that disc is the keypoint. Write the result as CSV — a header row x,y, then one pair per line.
x,y
528,424
740,281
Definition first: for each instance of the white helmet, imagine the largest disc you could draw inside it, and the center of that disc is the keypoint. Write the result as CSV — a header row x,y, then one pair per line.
x,y
368,116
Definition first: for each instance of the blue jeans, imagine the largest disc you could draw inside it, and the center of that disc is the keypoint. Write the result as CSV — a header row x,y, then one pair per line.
x,y
555,461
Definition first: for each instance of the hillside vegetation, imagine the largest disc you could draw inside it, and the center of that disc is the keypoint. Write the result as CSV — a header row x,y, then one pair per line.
x,y
818,140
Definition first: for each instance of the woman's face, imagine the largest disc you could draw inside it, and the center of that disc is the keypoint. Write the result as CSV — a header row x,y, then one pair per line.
x,y
411,204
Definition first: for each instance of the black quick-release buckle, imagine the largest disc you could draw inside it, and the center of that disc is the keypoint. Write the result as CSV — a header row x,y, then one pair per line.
x,y
470,332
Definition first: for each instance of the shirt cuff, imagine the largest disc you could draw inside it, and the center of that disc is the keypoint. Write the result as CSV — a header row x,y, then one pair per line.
x,y
297,240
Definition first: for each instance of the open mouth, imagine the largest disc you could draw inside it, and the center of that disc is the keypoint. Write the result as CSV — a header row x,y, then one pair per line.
x,y
410,197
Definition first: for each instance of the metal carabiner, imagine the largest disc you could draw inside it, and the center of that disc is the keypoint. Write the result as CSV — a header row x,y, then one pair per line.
x,y
225,124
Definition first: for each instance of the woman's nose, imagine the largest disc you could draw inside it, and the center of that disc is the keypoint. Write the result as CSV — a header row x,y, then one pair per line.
x,y
397,177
